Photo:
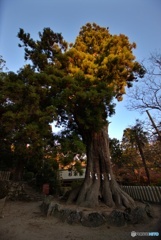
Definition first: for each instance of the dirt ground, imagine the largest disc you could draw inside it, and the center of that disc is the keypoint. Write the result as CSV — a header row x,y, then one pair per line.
x,y
24,221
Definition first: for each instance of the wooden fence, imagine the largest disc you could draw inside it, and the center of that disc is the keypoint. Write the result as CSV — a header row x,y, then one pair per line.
x,y
4,175
144,193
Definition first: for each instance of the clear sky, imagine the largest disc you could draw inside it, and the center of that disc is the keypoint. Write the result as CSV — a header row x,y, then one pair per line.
x,y
140,20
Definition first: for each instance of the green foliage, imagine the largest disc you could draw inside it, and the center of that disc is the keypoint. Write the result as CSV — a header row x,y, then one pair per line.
x,y
45,51
70,141
70,144
49,174
28,176
116,152
78,168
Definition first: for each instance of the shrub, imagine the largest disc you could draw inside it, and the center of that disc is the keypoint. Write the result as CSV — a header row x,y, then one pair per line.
x,y
28,176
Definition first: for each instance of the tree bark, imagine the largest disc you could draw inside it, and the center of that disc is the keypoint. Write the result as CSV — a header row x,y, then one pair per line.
x,y
143,159
154,125
99,183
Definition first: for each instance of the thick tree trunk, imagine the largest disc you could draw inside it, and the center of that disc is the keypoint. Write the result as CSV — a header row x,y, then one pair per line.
x,y
100,183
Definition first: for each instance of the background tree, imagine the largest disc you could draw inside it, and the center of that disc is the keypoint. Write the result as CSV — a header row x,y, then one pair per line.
x,y
26,114
130,155
138,138
5,141
90,74
116,152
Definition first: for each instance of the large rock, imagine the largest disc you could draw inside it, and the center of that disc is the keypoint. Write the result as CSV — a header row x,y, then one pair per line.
x,y
47,206
149,210
64,214
136,216
94,219
55,210
115,218
74,217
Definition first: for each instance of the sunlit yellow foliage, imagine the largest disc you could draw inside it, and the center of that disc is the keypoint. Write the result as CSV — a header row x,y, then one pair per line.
x,y
101,56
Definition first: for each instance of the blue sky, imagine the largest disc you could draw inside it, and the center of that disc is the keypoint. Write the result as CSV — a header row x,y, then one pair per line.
x,y
140,20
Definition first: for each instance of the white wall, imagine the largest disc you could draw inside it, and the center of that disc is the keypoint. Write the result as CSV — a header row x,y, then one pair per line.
x,y
67,175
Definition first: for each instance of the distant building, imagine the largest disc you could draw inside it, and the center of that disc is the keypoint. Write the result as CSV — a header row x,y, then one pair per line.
x,y
68,176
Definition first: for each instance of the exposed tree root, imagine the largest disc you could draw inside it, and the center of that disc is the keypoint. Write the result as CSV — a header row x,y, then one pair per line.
x,y
89,196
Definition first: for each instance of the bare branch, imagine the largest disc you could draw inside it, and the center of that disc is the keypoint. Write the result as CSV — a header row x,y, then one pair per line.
x,y
146,94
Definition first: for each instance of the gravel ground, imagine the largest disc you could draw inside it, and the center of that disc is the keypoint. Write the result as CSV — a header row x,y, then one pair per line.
x,y
24,221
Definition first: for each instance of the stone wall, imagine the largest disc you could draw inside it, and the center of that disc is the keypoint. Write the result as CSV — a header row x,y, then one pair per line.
x,y
91,218
16,190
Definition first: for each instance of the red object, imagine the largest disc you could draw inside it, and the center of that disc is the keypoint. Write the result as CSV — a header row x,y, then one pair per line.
x,y
45,189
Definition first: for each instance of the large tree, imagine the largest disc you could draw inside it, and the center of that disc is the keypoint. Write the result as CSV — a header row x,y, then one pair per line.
x,y
87,76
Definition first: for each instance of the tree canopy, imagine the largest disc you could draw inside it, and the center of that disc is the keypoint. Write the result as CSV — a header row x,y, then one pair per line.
x,y
86,75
